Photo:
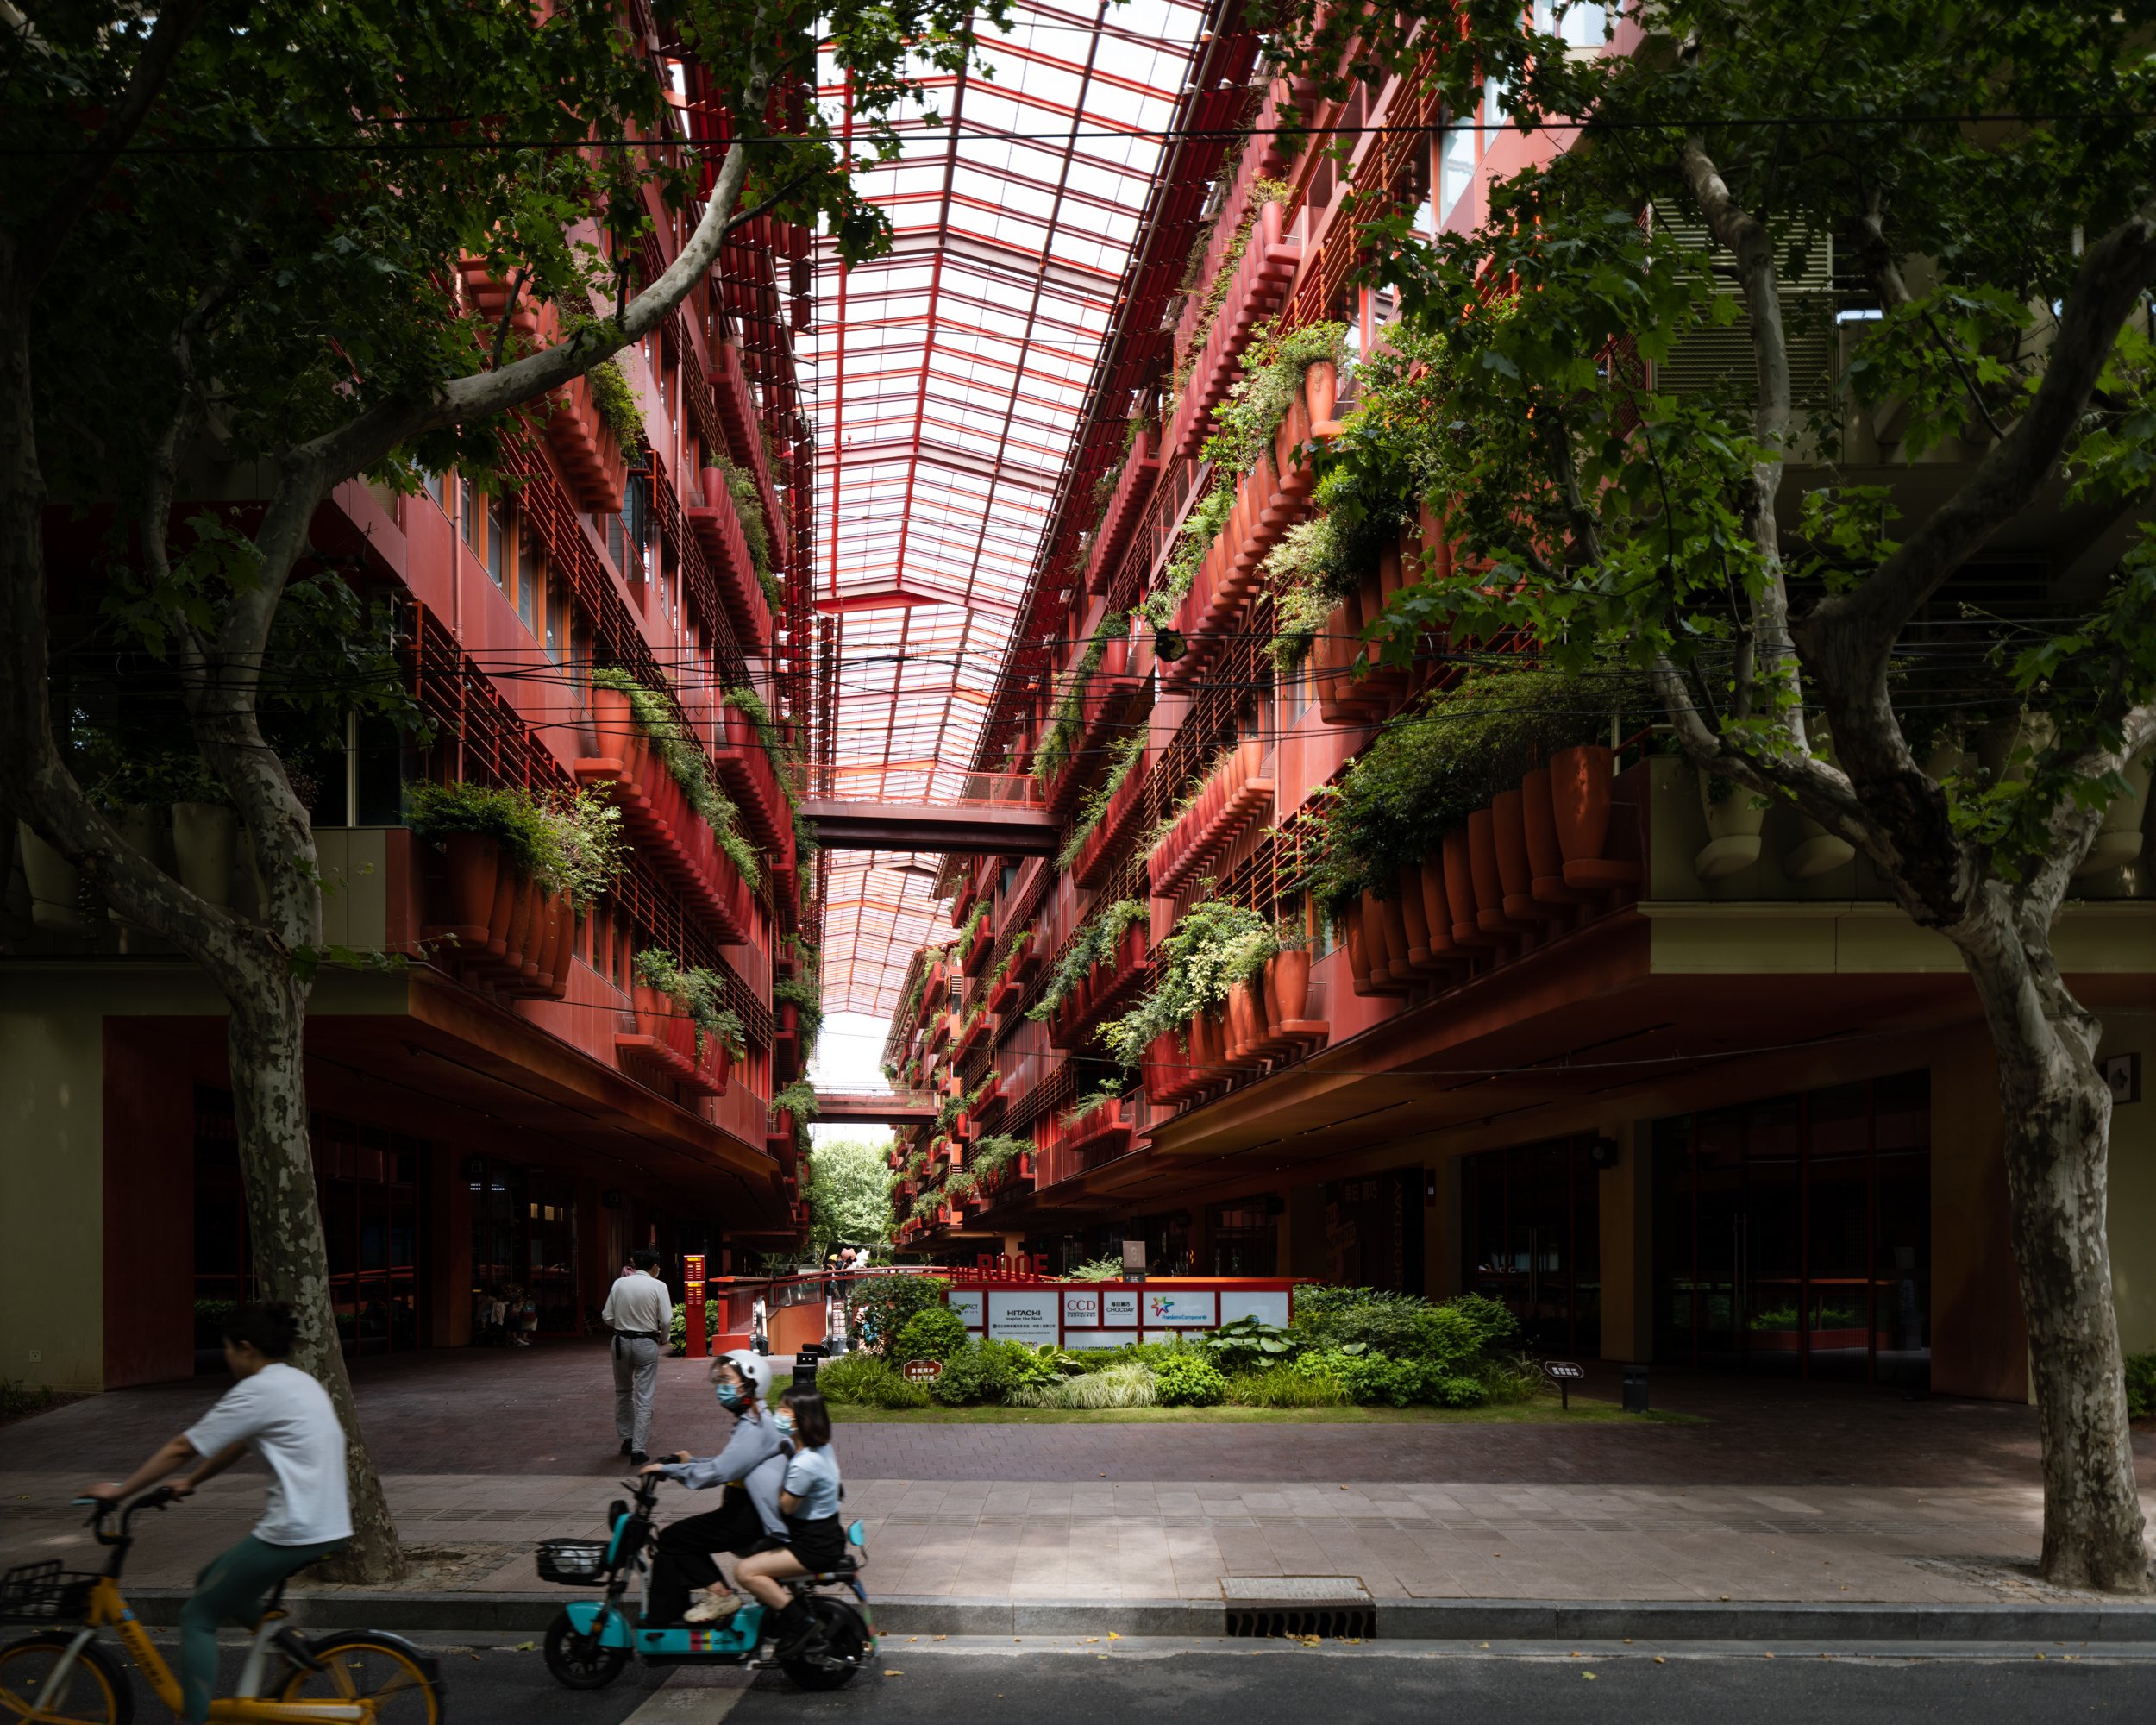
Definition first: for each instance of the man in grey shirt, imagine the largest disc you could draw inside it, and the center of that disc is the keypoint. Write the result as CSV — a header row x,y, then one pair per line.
x,y
641,1316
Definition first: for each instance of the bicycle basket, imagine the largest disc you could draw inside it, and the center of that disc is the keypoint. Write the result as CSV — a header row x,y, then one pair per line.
x,y
44,1593
573,1562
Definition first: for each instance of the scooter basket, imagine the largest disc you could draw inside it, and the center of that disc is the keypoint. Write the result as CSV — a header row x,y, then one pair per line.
x,y
43,1593
573,1562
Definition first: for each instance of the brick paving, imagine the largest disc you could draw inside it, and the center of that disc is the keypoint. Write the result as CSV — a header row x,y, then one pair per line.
x,y
1788,1492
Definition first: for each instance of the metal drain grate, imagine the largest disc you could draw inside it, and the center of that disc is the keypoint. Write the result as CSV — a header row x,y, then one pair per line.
x,y
1330,1605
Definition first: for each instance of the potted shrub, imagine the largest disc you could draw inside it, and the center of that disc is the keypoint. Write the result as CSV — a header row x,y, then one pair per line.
x,y
1734,817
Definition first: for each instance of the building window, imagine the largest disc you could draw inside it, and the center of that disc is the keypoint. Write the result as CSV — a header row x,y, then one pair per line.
x,y
1584,25
1456,168
470,508
1530,1237
531,594
500,563
1246,1240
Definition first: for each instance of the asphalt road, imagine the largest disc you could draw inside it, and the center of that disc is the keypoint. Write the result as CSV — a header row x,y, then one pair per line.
x,y
960,1681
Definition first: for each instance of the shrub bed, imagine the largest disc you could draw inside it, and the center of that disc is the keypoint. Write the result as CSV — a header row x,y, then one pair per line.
x,y
1346,1346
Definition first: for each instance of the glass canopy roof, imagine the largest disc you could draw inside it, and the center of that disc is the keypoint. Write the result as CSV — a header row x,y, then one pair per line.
x,y
949,381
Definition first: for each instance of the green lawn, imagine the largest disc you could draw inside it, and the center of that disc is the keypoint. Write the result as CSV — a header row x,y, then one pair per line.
x,y
1542,1411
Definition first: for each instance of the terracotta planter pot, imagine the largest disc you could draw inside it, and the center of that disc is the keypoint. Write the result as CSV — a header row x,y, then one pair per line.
x,y
613,725
1579,806
1358,953
2119,840
1546,856
501,916
1373,942
1515,874
1437,913
204,836
1237,1014
1208,1049
545,941
1489,890
1392,913
1288,976
53,883
1420,953
565,952
1459,893
474,869
522,919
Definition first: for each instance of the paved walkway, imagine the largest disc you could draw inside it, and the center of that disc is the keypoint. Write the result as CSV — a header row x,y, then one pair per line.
x,y
1788,1492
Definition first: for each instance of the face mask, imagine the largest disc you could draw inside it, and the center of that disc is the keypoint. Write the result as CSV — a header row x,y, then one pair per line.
x,y
729,1395
784,1421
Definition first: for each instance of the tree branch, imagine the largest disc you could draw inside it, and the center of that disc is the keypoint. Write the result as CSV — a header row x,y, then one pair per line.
x,y
1745,238
2115,273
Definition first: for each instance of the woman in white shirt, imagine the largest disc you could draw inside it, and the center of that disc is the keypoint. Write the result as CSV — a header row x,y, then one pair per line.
x,y
286,1418
815,1538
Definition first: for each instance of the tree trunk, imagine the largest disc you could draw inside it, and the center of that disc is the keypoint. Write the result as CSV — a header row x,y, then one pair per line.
x,y
2058,1116
269,1091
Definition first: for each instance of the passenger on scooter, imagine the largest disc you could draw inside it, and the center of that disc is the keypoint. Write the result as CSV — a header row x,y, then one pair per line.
x,y
815,1538
752,1467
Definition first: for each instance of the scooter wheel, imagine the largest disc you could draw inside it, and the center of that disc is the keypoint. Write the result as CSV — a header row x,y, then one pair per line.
x,y
575,1666
836,1652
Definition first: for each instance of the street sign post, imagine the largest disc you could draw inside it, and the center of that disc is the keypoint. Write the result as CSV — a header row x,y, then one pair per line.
x,y
1564,1374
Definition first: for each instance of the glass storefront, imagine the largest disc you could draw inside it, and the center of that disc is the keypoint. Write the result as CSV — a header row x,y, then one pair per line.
x,y
366,1182
1530,1224
1373,1230
1246,1238
1794,1236
523,1236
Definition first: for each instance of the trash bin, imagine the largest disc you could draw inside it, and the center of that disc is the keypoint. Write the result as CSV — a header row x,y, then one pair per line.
x,y
1635,1389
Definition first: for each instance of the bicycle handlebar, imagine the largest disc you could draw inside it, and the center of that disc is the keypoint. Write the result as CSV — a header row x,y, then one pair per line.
x,y
158,1497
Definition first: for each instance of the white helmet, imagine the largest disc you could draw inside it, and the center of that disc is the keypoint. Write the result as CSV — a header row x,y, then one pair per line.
x,y
755,1369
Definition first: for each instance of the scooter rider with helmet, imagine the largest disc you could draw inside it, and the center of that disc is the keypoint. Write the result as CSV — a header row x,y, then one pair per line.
x,y
752,1468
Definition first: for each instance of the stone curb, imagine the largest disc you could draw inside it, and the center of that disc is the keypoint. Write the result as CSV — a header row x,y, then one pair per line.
x,y
1428,1620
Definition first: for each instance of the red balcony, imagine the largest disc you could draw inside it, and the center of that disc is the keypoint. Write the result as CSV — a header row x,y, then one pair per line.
x,y
717,529
1353,685
1236,795
974,958
1025,956
933,990
745,769
494,926
662,1049
590,453
1090,867
738,413
660,821
1269,500
1069,1146
1106,696
1261,279
1105,986
973,1035
1133,488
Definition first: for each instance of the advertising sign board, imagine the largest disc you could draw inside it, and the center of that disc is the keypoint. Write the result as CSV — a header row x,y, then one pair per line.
x,y
1024,1315
966,1302
1178,1306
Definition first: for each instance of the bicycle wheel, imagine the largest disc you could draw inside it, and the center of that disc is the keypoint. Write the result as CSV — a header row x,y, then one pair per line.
x,y
364,1664
830,1659
95,1691
573,1669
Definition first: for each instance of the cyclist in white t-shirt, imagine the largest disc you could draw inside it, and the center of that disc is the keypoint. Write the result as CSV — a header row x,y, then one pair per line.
x,y
286,1418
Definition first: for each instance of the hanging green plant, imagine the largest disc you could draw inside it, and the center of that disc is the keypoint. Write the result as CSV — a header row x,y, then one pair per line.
x,y
1067,725
798,1100
1124,753
1094,941
1212,946
1434,765
804,993
688,765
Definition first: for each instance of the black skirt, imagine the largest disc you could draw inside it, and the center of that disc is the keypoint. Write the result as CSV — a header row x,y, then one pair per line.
x,y
818,1544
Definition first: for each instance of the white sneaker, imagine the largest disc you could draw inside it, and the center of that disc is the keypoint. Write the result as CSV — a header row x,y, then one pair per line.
x,y
713,1605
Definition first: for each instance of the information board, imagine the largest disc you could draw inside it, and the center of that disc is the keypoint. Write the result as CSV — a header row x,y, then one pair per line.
x,y
1181,1307
966,1302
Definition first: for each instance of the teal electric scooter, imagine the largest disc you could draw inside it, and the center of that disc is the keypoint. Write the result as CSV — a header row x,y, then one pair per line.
x,y
592,1639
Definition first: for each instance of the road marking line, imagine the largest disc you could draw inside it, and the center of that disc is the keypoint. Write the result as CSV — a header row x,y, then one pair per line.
x,y
694,1697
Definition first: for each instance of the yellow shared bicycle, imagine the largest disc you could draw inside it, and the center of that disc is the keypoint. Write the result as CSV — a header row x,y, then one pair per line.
x,y
62,1676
